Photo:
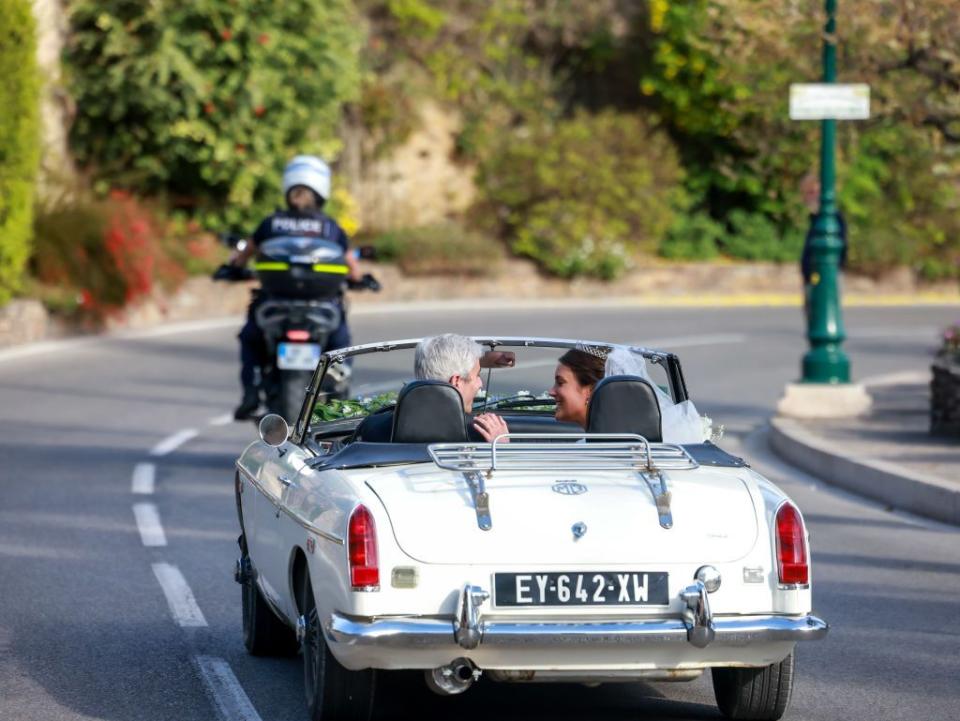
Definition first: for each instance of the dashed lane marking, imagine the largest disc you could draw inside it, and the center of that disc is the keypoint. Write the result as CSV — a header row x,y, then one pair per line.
x,y
148,523
172,443
144,478
225,420
229,698
180,598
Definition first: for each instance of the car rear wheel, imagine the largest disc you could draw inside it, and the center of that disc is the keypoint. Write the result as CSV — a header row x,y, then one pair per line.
x,y
333,692
263,633
754,693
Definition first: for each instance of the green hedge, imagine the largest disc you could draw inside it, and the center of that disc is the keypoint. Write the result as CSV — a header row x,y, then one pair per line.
x,y
584,195
203,102
19,139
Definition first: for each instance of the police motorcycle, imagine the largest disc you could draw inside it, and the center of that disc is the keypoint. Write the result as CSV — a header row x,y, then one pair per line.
x,y
297,308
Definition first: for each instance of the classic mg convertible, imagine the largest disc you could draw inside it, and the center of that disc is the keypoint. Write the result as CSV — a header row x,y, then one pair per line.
x,y
378,534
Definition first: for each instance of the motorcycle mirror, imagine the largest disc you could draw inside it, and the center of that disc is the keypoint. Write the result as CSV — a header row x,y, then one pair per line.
x,y
232,240
273,430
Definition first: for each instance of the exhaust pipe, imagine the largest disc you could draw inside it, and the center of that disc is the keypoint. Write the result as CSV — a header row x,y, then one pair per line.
x,y
454,678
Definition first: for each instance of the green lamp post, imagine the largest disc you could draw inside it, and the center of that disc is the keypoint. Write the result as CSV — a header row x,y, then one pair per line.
x,y
826,362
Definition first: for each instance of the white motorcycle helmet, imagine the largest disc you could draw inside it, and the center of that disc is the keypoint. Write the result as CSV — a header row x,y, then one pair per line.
x,y
309,171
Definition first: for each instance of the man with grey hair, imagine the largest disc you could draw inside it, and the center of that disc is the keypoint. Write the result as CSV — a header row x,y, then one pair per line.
x,y
456,359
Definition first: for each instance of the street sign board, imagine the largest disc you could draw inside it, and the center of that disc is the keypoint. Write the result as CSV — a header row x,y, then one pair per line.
x,y
825,101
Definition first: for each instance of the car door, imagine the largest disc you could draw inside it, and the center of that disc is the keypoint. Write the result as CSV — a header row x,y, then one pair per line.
x,y
274,539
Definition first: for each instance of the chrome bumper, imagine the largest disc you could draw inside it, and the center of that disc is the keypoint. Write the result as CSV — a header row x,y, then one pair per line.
x,y
433,632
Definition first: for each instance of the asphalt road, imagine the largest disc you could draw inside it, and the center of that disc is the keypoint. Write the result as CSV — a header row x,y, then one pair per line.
x,y
87,631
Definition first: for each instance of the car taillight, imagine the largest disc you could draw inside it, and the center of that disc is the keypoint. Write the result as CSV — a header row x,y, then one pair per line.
x,y
362,550
791,547
298,335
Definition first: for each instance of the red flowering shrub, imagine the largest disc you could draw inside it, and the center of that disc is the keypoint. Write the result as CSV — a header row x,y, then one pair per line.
x,y
95,257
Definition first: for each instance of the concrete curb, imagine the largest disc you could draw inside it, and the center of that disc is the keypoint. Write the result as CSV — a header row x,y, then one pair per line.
x,y
888,483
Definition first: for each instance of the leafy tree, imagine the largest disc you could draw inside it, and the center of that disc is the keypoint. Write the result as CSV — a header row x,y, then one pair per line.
x,y
19,139
205,101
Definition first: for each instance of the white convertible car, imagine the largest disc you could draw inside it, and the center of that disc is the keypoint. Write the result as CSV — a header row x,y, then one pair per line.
x,y
377,535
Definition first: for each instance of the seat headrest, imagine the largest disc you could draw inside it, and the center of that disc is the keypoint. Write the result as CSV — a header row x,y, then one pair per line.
x,y
429,412
625,404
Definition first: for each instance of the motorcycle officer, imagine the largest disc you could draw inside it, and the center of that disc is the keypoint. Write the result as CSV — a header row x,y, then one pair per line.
x,y
306,187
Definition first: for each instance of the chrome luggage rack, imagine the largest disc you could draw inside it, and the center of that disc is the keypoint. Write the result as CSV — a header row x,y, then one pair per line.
x,y
567,452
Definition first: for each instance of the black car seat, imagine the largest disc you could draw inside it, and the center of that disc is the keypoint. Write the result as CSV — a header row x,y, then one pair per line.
x,y
625,404
429,412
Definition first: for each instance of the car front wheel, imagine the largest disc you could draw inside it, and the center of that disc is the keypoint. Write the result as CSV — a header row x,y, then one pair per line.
x,y
754,693
333,692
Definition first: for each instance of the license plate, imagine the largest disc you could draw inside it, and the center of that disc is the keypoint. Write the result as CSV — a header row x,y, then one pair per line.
x,y
298,356
575,588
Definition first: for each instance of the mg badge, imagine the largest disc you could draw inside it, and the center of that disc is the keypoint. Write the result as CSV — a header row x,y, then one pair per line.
x,y
568,488
579,530
311,544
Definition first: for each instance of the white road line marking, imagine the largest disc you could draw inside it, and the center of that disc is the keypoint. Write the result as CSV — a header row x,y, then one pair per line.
x,y
225,420
896,379
231,701
894,333
170,444
148,523
180,598
144,478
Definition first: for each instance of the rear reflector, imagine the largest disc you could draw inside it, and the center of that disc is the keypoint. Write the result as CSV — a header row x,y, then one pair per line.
x,y
298,335
362,550
791,547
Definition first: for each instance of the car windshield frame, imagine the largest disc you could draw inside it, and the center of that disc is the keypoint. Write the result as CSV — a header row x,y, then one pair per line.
x,y
670,362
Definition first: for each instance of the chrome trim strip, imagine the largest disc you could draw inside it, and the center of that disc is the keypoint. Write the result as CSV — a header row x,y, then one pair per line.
x,y
419,632
310,527
297,519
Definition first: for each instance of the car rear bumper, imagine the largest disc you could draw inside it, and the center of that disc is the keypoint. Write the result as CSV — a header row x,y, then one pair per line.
x,y
419,633
695,639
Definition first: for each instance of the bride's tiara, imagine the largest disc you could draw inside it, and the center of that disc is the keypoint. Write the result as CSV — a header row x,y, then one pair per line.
x,y
594,350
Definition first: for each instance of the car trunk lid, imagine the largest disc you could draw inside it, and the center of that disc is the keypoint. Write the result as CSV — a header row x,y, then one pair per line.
x,y
536,517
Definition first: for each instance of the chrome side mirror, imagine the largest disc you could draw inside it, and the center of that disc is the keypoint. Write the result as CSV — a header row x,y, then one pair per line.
x,y
274,430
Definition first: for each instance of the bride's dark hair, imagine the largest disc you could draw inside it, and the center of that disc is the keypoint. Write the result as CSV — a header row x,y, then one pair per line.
x,y
587,368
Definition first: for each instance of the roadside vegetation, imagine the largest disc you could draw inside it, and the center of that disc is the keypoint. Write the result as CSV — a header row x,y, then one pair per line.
x,y
601,133
19,140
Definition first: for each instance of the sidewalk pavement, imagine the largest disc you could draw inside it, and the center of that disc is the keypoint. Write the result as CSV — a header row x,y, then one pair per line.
x,y
887,454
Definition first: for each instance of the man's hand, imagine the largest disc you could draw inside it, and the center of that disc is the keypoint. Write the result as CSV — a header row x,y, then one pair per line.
x,y
490,425
498,359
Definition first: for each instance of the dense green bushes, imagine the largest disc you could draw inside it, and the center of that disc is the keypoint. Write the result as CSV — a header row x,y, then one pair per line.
x,y
204,102
584,195
601,129
715,75
19,139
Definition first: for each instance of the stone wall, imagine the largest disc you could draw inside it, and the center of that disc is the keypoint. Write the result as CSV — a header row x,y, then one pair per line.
x,y
418,183
26,321
57,170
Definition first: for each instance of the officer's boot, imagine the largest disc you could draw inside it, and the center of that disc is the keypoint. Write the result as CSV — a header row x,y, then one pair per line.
x,y
250,403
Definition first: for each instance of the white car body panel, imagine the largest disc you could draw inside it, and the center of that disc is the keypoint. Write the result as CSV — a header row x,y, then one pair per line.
x,y
425,521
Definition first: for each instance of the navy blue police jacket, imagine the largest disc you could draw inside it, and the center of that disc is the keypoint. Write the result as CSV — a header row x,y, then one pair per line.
x,y
313,224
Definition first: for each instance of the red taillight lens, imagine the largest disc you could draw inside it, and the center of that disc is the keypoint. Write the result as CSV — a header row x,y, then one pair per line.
x,y
791,546
362,549
298,335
